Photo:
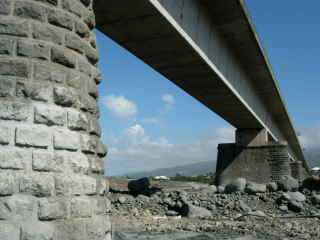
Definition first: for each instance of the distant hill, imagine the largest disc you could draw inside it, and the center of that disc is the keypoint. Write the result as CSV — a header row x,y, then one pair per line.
x,y
185,170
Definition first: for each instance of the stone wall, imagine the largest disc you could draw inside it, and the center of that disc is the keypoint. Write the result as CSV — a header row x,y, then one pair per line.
x,y
51,155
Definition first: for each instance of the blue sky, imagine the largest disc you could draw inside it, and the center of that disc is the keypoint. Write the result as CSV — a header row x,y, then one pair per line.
x,y
149,123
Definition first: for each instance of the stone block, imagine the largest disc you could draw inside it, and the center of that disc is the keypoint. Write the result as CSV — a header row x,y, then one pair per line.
x,y
51,2
96,165
49,115
15,159
14,27
101,148
91,54
42,161
63,56
97,76
12,67
88,143
73,229
30,10
77,120
9,231
75,43
68,185
35,91
6,45
7,86
47,33
6,135
66,97
33,136
84,66
21,206
38,231
14,111
88,104
50,72
81,207
75,7
82,29
73,162
76,80
5,7
66,140
33,49
39,185
89,185
7,184
92,88
102,187
60,19
99,227
53,209
94,126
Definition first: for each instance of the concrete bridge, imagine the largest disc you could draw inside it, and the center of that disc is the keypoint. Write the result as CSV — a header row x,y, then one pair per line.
x,y
51,156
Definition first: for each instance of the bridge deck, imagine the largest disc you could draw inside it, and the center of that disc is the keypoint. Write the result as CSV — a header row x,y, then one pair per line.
x,y
208,48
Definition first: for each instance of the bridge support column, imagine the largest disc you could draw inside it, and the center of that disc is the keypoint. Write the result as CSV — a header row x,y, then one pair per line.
x,y
252,157
51,156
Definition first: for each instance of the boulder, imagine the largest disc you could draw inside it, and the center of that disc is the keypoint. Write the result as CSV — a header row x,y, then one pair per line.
x,y
295,206
297,196
312,183
288,183
192,211
315,198
221,189
237,185
244,207
253,188
139,186
272,186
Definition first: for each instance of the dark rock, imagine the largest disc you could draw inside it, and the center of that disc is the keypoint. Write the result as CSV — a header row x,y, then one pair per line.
x,y
192,211
272,186
312,183
295,206
139,186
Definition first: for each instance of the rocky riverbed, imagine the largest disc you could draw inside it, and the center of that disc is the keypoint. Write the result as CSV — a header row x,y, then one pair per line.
x,y
240,210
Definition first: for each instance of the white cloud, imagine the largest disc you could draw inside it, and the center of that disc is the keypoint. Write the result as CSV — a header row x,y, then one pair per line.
x,y
310,137
168,99
135,150
120,106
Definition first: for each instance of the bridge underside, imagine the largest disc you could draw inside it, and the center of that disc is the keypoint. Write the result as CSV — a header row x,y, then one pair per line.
x,y
209,49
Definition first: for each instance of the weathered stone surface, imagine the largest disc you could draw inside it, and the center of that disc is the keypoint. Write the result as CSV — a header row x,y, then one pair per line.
x,y
7,86
9,231
47,33
7,184
88,143
67,185
63,56
96,165
33,49
99,228
4,6
65,139
75,43
35,91
77,120
49,115
101,148
39,185
60,19
6,135
30,10
32,136
42,161
66,97
75,7
14,111
39,231
53,208
82,29
88,104
47,72
94,126
192,211
6,45
81,207
89,185
92,88
18,68
15,159
21,206
14,26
